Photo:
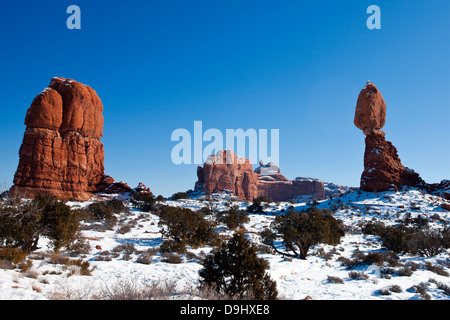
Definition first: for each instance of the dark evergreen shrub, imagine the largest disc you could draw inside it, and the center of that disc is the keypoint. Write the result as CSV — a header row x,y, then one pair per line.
x,y
301,230
160,198
180,195
143,201
235,270
185,226
410,236
22,224
258,204
233,217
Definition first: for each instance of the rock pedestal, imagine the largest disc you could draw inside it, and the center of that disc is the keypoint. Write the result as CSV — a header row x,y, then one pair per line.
x,y
383,169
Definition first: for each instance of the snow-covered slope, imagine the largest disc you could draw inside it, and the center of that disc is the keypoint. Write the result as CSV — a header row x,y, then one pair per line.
x,y
321,276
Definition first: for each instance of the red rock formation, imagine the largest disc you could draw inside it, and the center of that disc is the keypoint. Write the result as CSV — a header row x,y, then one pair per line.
x,y
109,186
226,172
281,189
383,169
237,175
370,113
141,188
61,152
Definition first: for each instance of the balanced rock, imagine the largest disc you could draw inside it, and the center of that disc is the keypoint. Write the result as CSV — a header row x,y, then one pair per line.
x,y
383,169
61,151
370,113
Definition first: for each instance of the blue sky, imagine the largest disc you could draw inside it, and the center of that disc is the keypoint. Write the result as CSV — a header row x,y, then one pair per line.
x,y
296,66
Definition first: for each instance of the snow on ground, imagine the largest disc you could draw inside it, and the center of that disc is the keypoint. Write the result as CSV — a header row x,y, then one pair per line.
x,y
296,279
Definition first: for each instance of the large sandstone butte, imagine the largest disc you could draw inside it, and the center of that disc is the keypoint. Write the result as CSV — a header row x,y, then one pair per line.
x,y
383,169
225,172
61,152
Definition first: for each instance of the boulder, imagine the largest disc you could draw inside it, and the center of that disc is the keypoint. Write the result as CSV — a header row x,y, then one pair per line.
x,y
370,112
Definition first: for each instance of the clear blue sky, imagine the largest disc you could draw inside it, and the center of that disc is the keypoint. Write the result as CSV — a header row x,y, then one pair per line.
x,y
296,66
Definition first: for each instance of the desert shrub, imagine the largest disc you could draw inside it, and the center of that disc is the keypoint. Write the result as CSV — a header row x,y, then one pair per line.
x,y
58,221
301,230
103,256
373,227
379,258
358,275
13,255
333,279
233,217
144,259
263,248
124,229
235,270
83,266
411,236
117,206
428,243
21,225
106,210
438,269
126,248
210,206
405,272
421,289
79,246
180,195
185,226
133,289
444,287
171,257
349,263
192,256
144,201
258,204
383,292
395,288
160,198
172,246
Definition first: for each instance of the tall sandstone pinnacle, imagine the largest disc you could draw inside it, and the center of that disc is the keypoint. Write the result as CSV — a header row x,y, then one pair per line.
x,y
383,169
61,152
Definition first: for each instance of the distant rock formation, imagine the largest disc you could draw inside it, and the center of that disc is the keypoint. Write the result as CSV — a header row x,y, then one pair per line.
x,y
237,176
383,169
278,188
333,190
109,186
269,169
441,189
61,152
226,172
